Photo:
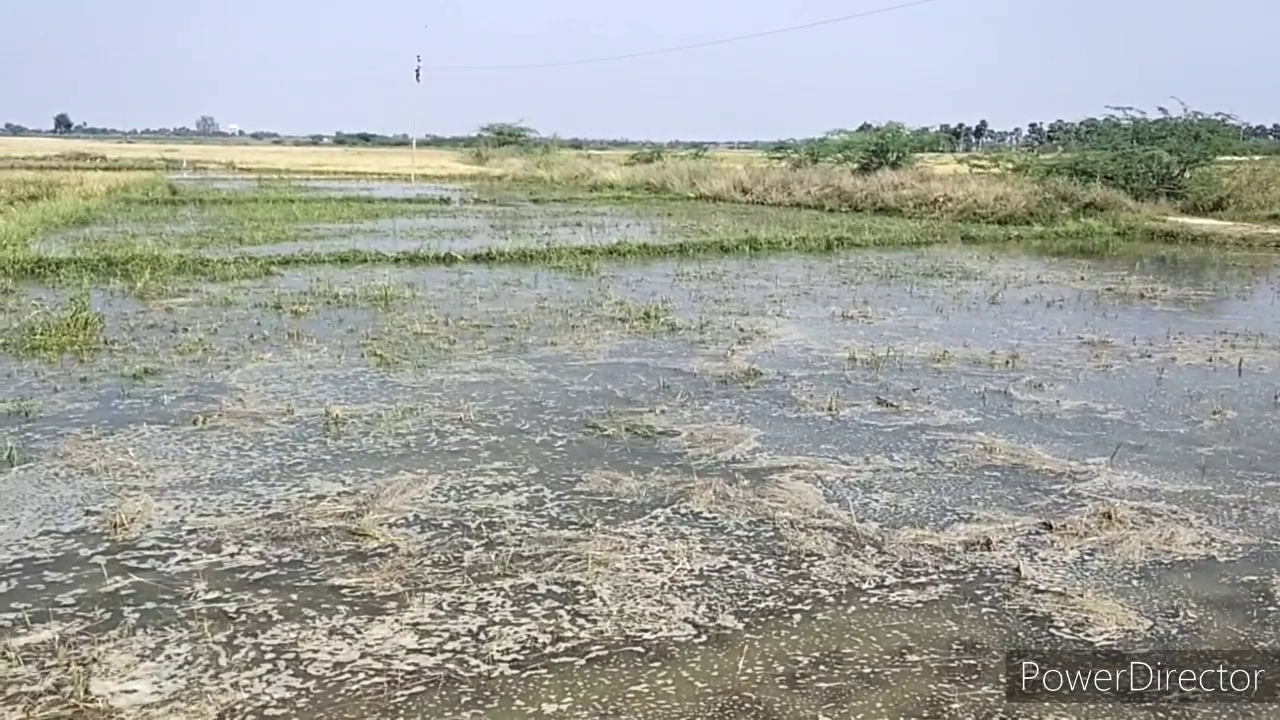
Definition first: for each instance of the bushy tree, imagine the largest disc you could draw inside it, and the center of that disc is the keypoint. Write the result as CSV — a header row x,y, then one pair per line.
x,y
62,124
865,150
1146,157
206,125
506,134
888,147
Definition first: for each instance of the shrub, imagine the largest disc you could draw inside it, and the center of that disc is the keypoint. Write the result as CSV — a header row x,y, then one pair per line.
x,y
888,147
1148,158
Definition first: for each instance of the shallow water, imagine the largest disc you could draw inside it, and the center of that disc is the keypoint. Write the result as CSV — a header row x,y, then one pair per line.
x,y
325,186
798,487
468,232
420,228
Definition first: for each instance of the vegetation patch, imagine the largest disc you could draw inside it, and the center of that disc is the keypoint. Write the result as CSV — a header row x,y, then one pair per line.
x,y
52,332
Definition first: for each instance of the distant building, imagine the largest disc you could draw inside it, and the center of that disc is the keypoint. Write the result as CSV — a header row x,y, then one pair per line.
x,y
233,129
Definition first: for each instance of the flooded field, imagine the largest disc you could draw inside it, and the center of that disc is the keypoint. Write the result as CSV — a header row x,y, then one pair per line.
x,y
236,217
323,185
834,486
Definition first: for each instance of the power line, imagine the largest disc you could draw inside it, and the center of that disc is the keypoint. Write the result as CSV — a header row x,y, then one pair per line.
x,y
694,46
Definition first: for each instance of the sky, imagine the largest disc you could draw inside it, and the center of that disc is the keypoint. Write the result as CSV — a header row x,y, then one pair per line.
x,y
318,67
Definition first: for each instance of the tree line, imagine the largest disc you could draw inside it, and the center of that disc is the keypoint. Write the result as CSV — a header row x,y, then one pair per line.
x,y
63,125
1240,137
1147,156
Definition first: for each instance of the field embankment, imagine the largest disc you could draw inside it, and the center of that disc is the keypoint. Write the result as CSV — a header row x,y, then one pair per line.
x,y
945,188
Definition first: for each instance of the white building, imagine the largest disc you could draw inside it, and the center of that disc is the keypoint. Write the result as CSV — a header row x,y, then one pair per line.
x,y
233,129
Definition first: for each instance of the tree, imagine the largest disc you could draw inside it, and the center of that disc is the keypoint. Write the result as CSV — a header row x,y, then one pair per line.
x,y
980,132
1058,133
62,124
1034,136
206,125
505,134
886,148
1146,157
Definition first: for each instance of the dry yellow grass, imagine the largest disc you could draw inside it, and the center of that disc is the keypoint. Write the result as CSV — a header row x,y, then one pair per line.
x,y
428,162
920,192
940,186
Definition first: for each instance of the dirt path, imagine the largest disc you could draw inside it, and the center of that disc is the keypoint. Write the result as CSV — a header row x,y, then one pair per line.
x,y
1226,226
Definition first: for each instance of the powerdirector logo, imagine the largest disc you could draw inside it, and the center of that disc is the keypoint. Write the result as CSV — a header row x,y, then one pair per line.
x,y
1109,676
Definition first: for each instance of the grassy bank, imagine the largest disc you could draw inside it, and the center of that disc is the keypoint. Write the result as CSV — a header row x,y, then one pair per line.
x,y
917,193
1243,191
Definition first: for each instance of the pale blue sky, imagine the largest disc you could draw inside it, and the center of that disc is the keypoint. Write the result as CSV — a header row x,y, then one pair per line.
x,y
299,67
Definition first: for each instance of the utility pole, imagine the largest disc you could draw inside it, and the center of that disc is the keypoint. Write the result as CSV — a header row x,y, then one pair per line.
x,y
413,139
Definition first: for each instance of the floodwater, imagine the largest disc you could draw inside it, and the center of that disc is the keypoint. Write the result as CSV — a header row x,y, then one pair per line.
x,y
334,187
433,229
467,232
835,486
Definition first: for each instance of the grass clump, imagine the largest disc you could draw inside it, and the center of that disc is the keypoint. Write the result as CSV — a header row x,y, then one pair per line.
x,y
657,153
1243,191
76,329
13,455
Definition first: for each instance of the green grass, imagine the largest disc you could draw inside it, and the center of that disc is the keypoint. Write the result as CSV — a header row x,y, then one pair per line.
x,y
194,218
75,329
1081,238
281,212
12,455
32,205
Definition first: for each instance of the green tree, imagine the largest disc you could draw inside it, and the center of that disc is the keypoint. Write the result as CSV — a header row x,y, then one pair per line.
x,y
981,132
1143,156
507,134
888,147
866,150
62,124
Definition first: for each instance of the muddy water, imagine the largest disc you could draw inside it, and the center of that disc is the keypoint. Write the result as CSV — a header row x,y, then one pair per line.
x,y
774,488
